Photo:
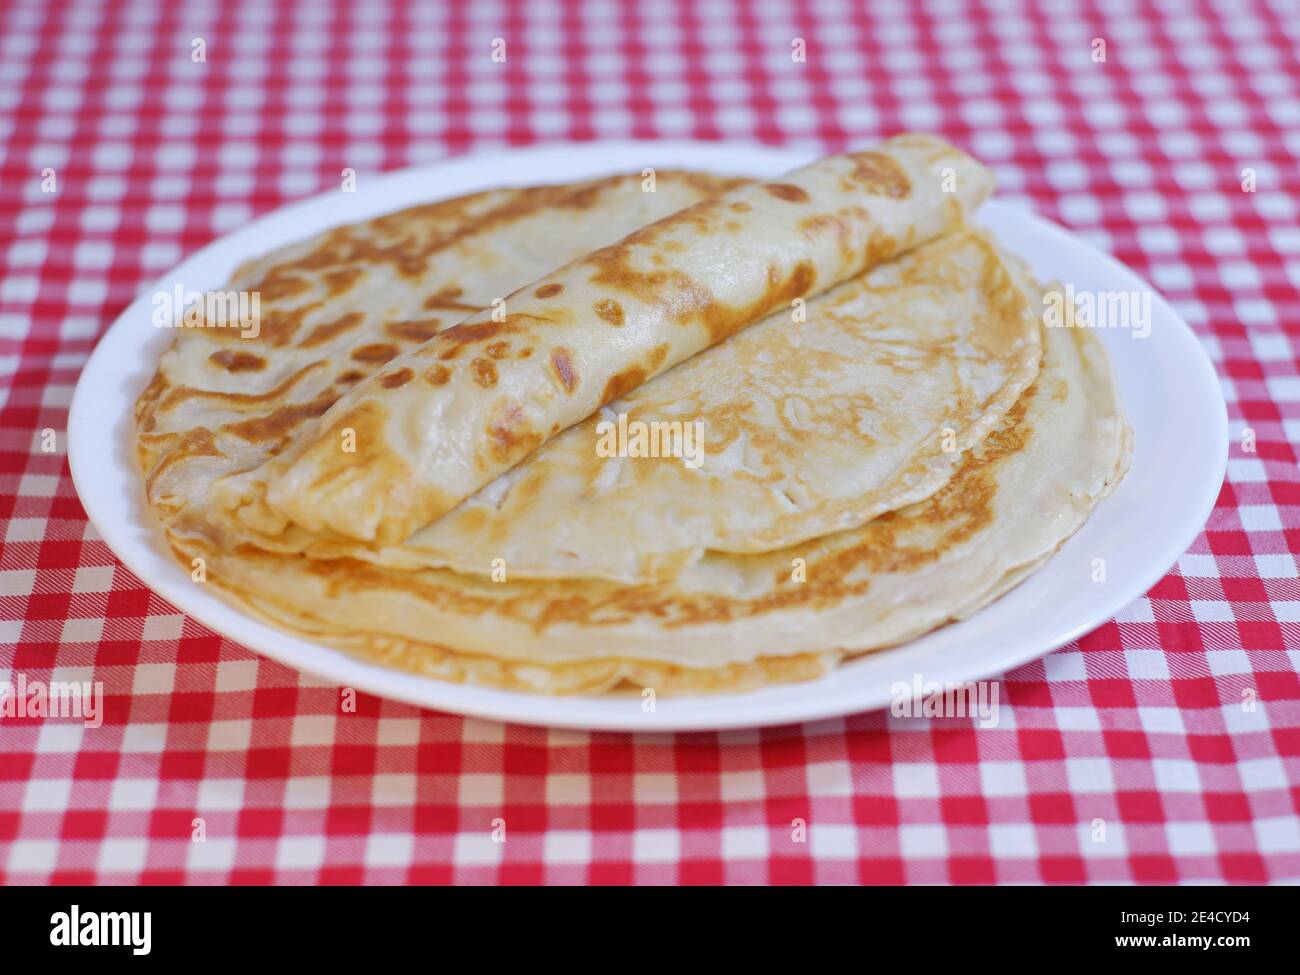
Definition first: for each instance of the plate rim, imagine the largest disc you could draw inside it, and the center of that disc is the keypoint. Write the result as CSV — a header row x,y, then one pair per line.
x,y
741,710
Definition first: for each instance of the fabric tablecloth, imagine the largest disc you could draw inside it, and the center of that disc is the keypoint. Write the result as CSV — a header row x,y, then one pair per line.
x,y
1173,729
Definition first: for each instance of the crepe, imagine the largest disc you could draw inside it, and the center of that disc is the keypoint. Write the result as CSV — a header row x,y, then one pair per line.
x,y
888,446
736,621
802,429
337,307
439,422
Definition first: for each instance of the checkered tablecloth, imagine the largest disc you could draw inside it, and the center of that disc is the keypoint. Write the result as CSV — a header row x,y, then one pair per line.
x,y
1172,732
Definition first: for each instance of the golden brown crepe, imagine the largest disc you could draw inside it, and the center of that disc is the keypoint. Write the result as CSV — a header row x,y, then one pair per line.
x,y
736,621
437,423
335,309
890,439
799,428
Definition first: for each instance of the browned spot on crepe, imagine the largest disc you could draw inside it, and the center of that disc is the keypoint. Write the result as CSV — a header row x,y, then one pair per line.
x,y
788,192
565,371
510,435
446,298
622,382
323,333
484,372
548,290
275,428
437,375
237,360
467,332
835,225
278,327
610,310
375,352
280,284
414,329
881,175
712,185
341,281
392,380
351,377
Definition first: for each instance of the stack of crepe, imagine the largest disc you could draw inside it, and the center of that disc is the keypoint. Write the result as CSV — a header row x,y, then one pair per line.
x,y
425,454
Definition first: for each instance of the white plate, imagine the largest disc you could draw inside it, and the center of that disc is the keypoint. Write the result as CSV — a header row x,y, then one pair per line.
x,y
1169,388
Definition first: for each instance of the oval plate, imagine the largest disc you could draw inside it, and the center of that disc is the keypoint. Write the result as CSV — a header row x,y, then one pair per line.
x,y
1170,393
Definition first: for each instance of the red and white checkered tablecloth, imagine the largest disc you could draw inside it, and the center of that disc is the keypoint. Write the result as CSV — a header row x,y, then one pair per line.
x,y
1140,724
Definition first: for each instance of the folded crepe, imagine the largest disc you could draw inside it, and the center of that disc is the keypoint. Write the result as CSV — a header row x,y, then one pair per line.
x,y
796,429
893,450
336,308
438,422
732,621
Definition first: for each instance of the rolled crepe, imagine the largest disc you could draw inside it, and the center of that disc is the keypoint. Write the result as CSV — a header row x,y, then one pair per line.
x,y
410,443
